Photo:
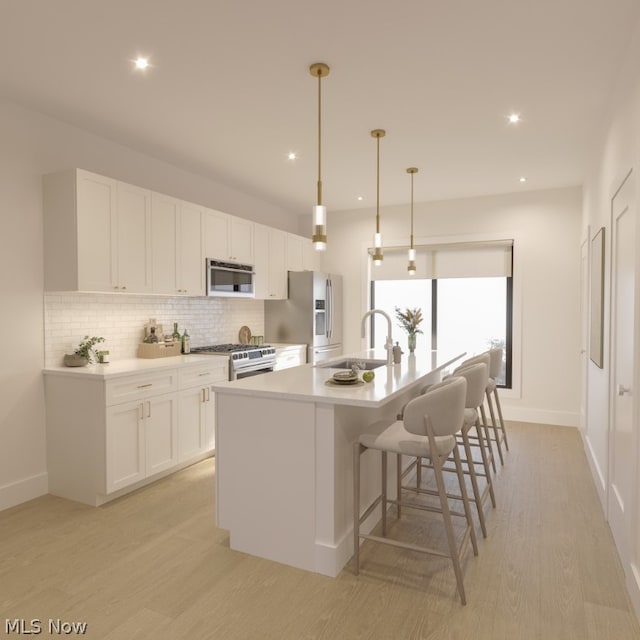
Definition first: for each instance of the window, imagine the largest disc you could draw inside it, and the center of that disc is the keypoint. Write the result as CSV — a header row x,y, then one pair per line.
x,y
471,314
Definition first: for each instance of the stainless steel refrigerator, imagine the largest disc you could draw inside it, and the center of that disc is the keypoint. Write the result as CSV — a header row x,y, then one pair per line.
x,y
312,315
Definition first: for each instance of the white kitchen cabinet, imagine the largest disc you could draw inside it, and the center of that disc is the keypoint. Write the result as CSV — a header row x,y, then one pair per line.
x,y
270,263
311,259
176,244
141,440
96,234
107,435
228,237
295,251
288,356
133,246
196,417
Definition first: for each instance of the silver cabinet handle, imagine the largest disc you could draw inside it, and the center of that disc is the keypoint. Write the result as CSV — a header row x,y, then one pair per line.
x,y
208,394
622,390
203,395
206,373
141,412
144,386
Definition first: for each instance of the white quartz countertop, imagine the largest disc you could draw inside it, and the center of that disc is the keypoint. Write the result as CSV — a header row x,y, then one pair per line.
x,y
128,366
308,382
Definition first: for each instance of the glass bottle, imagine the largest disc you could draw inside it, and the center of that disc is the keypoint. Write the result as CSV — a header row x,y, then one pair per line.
x,y
186,342
176,334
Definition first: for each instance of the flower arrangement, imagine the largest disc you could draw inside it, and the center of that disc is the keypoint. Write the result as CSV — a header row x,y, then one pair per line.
x,y
409,320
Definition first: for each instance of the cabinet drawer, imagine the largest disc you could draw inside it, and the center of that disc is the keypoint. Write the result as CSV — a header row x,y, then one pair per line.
x,y
142,386
203,374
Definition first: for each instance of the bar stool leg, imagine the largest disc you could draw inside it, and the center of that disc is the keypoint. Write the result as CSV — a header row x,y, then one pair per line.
x,y
485,462
357,449
487,435
495,426
477,498
504,431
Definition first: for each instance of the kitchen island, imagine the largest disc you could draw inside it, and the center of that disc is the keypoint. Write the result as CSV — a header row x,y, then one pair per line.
x,y
284,465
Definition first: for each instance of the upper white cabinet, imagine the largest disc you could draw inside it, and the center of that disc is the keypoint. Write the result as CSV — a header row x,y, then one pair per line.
x,y
97,234
104,235
270,263
295,251
228,237
133,246
176,242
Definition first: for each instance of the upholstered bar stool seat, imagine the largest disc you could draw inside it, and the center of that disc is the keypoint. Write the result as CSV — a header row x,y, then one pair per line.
x,y
427,431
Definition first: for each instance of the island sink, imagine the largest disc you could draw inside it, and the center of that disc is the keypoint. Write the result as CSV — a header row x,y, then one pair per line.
x,y
348,364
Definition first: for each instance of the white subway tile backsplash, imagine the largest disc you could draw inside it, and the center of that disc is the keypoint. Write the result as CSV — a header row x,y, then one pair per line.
x,y
120,319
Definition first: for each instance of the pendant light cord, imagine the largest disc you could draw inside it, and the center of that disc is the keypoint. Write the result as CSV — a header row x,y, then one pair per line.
x,y
319,137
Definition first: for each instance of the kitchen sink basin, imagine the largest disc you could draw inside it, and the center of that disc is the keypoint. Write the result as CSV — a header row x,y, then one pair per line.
x,y
362,364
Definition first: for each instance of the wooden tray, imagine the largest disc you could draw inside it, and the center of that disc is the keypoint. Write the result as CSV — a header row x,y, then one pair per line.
x,y
158,350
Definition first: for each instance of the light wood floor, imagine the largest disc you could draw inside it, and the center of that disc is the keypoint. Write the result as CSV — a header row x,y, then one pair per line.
x,y
154,565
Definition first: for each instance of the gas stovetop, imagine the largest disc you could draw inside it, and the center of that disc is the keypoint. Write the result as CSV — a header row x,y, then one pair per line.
x,y
240,354
230,348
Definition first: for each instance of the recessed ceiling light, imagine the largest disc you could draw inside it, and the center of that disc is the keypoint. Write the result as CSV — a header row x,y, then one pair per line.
x,y
360,197
141,63
523,179
514,118
292,155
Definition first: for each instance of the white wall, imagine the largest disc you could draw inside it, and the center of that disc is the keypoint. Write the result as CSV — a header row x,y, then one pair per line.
x,y
30,146
616,152
546,228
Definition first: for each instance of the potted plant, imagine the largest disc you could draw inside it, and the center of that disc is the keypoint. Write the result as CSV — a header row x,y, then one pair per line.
x,y
83,355
409,320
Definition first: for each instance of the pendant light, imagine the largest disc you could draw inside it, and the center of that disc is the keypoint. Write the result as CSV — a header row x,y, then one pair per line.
x,y
411,267
377,238
319,239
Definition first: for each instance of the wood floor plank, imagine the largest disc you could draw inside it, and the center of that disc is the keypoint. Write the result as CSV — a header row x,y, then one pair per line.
x,y
153,564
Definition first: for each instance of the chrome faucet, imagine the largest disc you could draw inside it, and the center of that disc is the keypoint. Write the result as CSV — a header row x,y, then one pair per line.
x,y
389,343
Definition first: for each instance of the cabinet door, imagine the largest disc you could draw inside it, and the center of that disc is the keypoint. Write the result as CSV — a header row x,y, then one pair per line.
x,y
216,235
134,239
261,262
164,217
241,240
190,422
191,264
125,445
161,433
294,252
209,424
311,259
96,211
277,265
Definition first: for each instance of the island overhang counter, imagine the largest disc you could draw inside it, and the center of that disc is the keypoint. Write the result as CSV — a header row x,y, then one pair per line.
x,y
284,467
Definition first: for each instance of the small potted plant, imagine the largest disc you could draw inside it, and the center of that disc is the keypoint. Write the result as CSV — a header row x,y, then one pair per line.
x,y
84,354
409,320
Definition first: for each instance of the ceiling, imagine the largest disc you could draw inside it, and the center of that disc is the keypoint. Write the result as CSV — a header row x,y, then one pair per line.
x,y
229,95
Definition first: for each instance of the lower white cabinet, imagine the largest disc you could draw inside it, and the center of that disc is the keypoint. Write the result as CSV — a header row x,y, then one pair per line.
x,y
107,435
197,422
290,356
141,440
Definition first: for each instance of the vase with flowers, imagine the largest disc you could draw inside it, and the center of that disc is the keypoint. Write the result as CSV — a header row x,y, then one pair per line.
x,y
409,320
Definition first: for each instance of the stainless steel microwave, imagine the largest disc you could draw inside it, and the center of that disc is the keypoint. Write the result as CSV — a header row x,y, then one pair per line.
x,y
230,279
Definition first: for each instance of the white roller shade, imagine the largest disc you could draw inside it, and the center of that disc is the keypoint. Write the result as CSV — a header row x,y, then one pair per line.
x,y
460,260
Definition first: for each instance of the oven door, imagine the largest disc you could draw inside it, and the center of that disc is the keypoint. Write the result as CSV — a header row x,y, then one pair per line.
x,y
252,370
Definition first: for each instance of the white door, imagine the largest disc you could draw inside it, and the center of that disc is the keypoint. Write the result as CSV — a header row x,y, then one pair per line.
x,y
622,439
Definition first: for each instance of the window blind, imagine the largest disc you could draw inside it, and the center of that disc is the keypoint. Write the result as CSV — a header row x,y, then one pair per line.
x,y
459,260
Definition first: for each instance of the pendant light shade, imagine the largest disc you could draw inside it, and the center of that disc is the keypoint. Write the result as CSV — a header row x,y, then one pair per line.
x,y
319,239
377,238
411,267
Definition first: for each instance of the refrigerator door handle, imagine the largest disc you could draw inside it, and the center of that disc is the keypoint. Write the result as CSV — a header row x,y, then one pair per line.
x,y
330,308
327,295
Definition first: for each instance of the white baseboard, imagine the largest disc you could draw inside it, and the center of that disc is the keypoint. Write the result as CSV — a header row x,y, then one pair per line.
x,y
541,416
20,491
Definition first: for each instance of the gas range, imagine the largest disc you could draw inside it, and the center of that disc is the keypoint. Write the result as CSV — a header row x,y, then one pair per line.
x,y
244,359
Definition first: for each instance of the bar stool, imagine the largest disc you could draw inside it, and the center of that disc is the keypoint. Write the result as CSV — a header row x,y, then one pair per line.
x,y
485,359
495,368
427,431
476,376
